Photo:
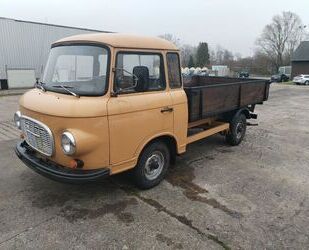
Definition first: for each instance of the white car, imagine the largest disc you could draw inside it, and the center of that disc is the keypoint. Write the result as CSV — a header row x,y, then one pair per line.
x,y
301,79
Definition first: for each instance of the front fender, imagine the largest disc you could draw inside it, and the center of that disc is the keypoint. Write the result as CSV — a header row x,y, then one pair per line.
x,y
129,164
153,138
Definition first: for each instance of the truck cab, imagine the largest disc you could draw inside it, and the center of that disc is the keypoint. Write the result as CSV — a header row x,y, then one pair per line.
x,y
109,103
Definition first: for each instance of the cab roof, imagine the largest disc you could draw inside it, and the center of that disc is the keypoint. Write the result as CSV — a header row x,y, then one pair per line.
x,y
118,40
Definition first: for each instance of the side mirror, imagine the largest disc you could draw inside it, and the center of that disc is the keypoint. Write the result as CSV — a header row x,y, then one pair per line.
x,y
133,86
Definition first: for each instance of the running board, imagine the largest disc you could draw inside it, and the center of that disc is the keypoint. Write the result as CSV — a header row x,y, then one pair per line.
x,y
216,128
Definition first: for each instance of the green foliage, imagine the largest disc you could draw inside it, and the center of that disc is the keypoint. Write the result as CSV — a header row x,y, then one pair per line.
x,y
202,55
191,62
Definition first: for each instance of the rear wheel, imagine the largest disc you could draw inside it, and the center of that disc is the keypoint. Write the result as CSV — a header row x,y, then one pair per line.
x,y
152,165
237,130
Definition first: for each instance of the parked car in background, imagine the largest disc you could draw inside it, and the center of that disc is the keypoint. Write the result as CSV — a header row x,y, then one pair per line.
x,y
279,78
244,74
285,70
301,79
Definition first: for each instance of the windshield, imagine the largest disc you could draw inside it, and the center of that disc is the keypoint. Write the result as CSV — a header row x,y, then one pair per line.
x,y
80,68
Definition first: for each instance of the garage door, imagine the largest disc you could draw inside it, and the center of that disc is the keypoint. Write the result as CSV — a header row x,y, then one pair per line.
x,y
21,78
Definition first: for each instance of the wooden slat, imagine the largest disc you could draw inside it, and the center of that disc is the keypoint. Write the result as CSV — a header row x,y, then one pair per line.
x,y
211,131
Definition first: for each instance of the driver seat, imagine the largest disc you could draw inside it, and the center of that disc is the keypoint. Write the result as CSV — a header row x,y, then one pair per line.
x,y
142,73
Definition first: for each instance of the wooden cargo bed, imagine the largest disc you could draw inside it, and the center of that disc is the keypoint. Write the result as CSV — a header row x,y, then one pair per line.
x,y
212,96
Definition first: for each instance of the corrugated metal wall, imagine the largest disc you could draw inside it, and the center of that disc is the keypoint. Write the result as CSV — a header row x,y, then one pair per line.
x,y
25,45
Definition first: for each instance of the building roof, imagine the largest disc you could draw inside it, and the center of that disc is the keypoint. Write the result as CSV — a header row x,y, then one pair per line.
x,y
118,40
53,25
302,52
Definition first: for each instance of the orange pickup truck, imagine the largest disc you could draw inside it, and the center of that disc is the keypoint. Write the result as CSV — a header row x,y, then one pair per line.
x,y
109,103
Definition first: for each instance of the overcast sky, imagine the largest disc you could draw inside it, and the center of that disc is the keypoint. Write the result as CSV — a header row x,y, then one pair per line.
x,y
234,24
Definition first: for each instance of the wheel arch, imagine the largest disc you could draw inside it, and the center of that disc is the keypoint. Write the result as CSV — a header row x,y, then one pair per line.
x,y
229,116
170,141
244,111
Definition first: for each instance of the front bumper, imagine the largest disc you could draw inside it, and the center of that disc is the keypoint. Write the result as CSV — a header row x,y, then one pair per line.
x,y
57,172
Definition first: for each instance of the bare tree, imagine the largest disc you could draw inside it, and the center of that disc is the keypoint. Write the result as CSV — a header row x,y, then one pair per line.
x,y
186,52
238,56
281,37
296,36
228,56
221,55
171,38
212,56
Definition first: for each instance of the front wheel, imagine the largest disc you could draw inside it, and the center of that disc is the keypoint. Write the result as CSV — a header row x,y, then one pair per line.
x,y
152,165
237,131
307,83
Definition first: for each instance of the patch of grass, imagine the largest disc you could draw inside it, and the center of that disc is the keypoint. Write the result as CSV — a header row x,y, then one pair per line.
x,y
288,83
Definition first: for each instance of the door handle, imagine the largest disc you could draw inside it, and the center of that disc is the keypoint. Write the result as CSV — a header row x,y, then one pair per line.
x,y
167,109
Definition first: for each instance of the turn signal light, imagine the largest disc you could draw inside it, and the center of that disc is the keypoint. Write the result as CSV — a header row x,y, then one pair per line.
x,y
76,163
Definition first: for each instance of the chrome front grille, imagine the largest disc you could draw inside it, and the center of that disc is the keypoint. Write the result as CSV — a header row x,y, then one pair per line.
x,y
38,135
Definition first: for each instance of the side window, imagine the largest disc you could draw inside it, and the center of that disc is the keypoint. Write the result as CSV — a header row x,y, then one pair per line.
x,y
173,66
139,73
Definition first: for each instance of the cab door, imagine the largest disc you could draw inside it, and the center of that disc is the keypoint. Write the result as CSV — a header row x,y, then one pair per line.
x,y
179,100
140,108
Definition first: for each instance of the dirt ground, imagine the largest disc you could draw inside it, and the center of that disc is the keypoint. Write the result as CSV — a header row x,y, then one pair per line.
x,y
253,196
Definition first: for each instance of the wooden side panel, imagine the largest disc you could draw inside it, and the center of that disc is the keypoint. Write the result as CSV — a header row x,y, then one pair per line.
x,y
210,96
252,93
219,99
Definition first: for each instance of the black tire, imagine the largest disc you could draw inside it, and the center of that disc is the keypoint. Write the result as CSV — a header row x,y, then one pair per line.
x,y
237,131
150,161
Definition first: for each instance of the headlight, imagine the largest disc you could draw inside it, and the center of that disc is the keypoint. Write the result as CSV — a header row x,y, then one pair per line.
x,y
68,143
17,118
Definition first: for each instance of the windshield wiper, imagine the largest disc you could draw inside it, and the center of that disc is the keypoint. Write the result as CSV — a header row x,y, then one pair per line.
x,y
40,85
66,88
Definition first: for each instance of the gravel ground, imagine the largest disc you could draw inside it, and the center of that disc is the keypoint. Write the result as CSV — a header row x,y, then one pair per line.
x,y
254,196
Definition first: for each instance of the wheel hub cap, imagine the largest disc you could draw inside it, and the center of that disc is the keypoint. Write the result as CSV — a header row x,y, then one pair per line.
x,y
154,165
239,130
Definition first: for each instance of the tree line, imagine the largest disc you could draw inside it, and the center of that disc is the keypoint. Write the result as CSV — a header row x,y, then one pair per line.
x,y
273,48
